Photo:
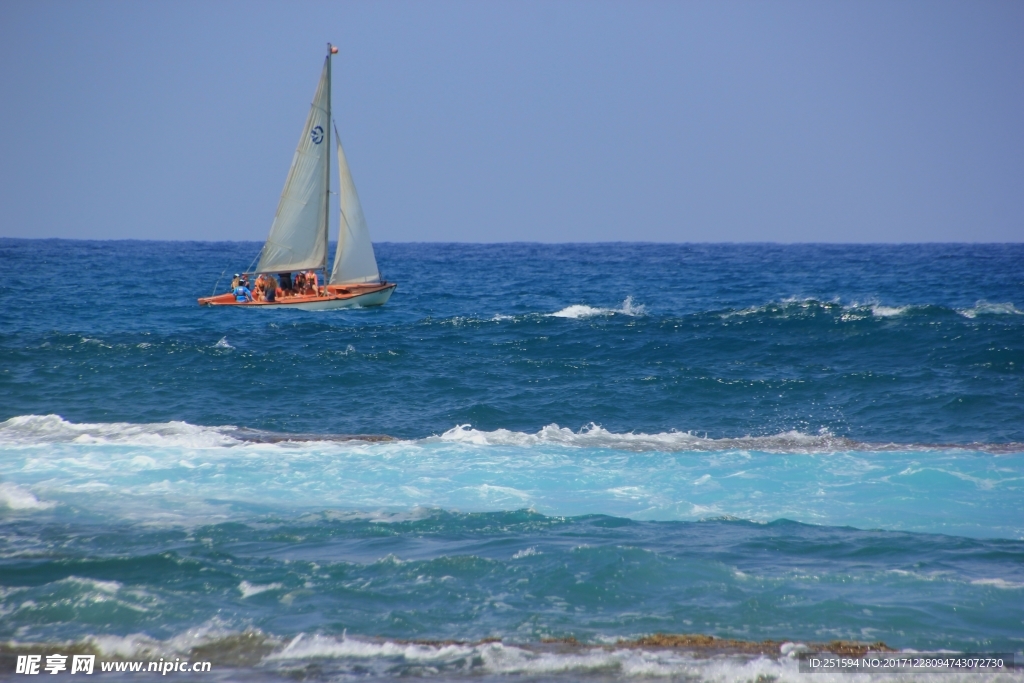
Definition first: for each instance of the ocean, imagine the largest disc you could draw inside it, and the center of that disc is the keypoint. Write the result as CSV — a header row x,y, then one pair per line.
x,y
531,462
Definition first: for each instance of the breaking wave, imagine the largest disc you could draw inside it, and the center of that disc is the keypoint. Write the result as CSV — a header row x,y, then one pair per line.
x,y
252,652
14,497
576,311
986,308
34,430
804,307
595,436
30,430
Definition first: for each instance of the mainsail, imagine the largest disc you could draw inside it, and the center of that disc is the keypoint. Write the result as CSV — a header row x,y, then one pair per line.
x,y
298,236
354,261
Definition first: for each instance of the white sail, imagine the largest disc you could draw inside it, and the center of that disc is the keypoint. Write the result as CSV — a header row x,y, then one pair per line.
x,y
354,261
298,236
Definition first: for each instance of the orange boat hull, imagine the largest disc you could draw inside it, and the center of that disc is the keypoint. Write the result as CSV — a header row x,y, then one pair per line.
x,y
330,297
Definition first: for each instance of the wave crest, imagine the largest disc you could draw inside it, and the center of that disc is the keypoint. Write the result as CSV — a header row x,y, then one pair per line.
x,y
36,430
595,436
30,430
809,307
983,307
13,497
342,656
577,311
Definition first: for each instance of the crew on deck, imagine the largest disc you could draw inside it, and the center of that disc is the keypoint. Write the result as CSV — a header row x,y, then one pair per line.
x,y
241,292
269,287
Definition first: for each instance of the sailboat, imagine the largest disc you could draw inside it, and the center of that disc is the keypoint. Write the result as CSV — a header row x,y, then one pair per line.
x,y
297,243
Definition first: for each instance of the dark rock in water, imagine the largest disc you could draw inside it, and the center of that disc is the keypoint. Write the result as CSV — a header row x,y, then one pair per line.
x,y
699,641
259,436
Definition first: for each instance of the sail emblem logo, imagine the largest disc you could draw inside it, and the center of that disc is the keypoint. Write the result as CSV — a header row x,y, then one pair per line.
x,y
317,134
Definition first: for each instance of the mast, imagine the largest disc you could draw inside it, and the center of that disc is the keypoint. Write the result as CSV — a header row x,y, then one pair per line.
x,y
331,50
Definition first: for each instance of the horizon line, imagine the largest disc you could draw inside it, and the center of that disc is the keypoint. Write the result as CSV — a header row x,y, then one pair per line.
x,y
533,242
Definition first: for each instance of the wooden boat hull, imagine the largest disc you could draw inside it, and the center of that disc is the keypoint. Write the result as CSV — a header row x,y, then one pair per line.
x,y
331,297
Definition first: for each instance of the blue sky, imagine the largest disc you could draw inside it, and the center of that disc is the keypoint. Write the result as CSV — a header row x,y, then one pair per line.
x,y
521,121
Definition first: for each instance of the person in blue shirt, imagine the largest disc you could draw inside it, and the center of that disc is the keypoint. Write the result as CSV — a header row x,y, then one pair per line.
x,y
242,294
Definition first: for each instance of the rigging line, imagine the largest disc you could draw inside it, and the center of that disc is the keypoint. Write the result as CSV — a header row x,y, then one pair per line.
x,y
217,284
258,254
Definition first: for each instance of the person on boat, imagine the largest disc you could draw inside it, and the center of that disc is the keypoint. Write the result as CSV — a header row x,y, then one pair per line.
x,y
260,287
312,283
270,288
300,283
242,293
286,284
235,281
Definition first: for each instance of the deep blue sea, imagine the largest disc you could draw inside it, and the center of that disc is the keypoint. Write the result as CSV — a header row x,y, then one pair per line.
x,y
597,442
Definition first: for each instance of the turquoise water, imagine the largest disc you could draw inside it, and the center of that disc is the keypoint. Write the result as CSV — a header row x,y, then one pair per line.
x,y
599,442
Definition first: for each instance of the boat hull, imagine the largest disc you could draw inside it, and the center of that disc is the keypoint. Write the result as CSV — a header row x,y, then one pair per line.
x,y
334,297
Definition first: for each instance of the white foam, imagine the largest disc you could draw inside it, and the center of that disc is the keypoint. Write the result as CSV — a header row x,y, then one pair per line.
x,y
345,351
555,470
141,646
417,513
494,494
801,306
503,659
787,306
13,497
134,645
630,308
983,307
880,311
41,430
96,342
317,646
861,310
998,583
507,659
791,650
595,436
223,344
577,311
580,311
75,593
496,658
108,587
666,663
871,308
250,589
31,430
